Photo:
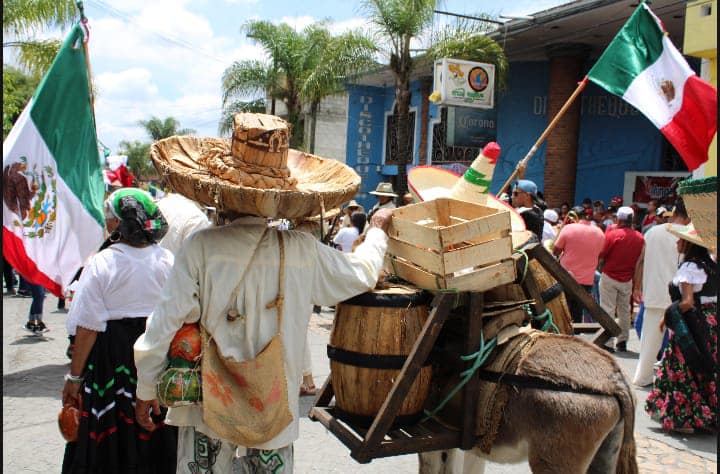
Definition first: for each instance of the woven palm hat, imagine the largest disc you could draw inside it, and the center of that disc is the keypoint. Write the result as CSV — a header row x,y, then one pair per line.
x,y
688,232
301,186
430,182
700,198
354,205
384,189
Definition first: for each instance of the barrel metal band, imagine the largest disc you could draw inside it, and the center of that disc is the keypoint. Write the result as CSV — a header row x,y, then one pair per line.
x,y
368,361
551,293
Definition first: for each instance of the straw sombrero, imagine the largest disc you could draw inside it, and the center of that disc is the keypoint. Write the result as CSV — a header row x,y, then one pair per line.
x,y
700,198
688,232
314,182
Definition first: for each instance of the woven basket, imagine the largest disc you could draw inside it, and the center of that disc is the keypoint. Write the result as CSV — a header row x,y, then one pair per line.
x,y
700,196
320,181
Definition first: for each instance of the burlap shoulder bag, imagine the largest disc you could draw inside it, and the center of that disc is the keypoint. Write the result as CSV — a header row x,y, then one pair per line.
x,y
246,402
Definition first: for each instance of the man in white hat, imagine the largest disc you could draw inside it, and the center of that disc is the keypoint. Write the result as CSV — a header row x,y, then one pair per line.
x,y
551,219
385,195
618,258
652,275
351,207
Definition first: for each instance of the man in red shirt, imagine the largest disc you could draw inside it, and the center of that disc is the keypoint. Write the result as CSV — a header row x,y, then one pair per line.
x,y
579,246
623,246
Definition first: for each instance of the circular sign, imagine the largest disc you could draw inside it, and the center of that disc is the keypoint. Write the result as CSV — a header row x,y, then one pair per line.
x,y
478,79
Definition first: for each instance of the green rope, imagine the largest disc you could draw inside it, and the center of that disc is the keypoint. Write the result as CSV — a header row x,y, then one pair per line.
x,y
527,263
480,357
548,324
472,176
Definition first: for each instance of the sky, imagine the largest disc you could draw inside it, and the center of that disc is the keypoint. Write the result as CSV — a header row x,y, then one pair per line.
x,y
165,58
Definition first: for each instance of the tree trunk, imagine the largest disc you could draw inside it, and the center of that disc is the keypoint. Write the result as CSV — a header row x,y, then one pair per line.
x,y
313,125
402,95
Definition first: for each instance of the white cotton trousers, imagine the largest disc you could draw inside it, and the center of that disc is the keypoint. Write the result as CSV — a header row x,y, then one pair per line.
x,y
307,357
651,339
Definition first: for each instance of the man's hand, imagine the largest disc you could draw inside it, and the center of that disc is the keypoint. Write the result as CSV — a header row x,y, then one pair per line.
x,y
381,219
637,295
142,412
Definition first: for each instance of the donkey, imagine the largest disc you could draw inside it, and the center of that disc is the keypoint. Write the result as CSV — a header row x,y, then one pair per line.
x,y
559,431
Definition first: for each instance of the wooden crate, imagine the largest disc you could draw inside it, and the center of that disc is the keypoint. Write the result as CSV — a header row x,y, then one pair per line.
x,y
446,243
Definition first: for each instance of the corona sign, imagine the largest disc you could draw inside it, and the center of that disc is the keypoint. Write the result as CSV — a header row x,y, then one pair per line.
x,y
464,84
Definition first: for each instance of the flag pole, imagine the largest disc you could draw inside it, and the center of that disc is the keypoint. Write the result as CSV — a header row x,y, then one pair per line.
x,y
83,22
555,120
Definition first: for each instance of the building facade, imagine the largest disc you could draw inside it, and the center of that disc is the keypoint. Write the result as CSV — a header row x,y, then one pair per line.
x,y
594,150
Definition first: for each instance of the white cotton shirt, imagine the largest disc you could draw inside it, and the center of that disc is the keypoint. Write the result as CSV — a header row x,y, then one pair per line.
x,y
119,282
183,217
549,232
207,270
345,238
659,265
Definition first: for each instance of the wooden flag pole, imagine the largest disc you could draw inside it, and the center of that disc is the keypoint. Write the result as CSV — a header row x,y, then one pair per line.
x,y
555,120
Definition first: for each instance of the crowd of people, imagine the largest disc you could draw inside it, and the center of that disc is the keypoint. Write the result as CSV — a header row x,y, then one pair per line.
x,y
629,260
145,282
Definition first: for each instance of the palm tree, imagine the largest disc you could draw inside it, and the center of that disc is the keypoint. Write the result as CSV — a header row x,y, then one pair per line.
x,y
343,55
397,24
303,67
23,19
158,129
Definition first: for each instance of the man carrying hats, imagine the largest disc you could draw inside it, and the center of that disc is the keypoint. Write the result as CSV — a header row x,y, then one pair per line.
x,y
524,200
621,251
385,195
250,287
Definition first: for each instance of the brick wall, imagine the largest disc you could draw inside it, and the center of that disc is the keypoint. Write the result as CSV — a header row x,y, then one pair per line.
x,y
562,143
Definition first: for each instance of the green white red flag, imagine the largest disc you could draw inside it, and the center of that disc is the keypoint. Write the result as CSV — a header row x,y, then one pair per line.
x,y
52,176
642,66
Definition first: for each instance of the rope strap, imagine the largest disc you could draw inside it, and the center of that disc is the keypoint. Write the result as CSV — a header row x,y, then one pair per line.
x,y
479,358
548,324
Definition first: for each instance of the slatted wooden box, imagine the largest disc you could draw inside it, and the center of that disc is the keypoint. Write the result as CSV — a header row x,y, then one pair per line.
x,y
446,243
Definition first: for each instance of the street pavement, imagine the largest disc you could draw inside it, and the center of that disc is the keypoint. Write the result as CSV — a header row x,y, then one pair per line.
x,y
33,369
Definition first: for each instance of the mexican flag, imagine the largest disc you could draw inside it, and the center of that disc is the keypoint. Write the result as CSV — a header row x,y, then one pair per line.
x,y
52,176
642,66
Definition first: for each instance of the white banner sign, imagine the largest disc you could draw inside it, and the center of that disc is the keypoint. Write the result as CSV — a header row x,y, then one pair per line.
x,y
465,83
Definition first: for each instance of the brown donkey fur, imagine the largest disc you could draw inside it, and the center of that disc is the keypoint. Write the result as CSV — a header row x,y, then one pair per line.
x,y
560,432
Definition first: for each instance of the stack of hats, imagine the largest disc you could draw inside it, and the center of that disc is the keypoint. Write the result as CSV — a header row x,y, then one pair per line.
x,y
700,197
255,173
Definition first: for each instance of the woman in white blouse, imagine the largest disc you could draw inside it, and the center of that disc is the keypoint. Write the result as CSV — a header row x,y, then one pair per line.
x,y
683,397
116,293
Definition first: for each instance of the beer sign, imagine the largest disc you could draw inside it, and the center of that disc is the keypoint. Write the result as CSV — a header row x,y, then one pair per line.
x,y
464,83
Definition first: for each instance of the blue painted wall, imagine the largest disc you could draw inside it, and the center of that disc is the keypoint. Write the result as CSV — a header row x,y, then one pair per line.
x,y
522,117
613,138
366,135
366,124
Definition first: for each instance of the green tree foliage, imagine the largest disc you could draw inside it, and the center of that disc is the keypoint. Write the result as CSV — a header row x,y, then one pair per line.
x,y
157,129
23,20
18,88
302,66
138,154
399,23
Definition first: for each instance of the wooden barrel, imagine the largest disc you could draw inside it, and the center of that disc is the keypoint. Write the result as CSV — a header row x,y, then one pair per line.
x,y
372,335
553,296
551,291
